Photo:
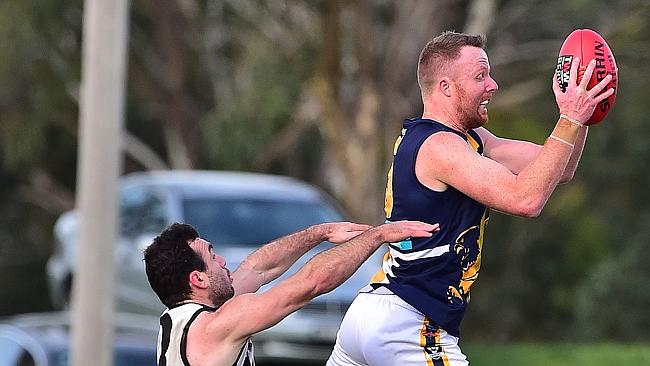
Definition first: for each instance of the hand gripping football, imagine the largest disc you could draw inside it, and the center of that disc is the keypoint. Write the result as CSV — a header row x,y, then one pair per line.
x,y
588,45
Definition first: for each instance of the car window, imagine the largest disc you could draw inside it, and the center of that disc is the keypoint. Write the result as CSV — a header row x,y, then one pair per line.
x,y
253,222
142,211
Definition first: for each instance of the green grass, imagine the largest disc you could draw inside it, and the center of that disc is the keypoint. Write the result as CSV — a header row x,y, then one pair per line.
x,y
533,354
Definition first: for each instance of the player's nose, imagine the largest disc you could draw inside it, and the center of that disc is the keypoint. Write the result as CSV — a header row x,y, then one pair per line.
x,y
492,85
221,261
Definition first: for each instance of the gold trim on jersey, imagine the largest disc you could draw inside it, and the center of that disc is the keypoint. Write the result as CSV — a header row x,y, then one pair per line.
x,y
431,343
388,201
473,143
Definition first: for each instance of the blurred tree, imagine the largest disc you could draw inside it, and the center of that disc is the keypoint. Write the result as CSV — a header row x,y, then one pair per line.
x,y
365,85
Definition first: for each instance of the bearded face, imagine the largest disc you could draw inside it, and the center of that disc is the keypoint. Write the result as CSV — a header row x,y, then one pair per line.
x,y
221,289
473,87
471,108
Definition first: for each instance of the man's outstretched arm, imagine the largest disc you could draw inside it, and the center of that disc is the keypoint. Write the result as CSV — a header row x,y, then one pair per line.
x,y
273,259
250,313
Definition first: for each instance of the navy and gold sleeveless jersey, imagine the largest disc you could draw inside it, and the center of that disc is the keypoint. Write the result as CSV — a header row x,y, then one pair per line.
x,y
433,274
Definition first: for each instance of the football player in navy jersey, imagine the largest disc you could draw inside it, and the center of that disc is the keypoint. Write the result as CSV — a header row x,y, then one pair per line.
x,y
212,313
448,169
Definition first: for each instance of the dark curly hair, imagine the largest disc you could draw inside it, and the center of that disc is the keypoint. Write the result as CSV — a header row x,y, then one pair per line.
x,y
168,262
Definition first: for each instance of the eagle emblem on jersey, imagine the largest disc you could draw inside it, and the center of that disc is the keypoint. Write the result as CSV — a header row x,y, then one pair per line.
x,y
468,246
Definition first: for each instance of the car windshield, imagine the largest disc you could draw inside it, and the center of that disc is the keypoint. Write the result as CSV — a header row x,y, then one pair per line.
x,y
253,222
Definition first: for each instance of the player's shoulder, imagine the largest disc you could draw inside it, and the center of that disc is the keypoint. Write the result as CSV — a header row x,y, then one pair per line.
x,y
215,320
212,336
443,140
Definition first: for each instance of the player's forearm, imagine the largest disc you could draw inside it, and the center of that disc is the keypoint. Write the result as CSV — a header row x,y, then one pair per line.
x,y
538,180
332,267
578,147
274,258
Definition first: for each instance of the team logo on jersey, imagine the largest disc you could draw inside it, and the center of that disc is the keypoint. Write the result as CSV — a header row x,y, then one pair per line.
x,y
468,246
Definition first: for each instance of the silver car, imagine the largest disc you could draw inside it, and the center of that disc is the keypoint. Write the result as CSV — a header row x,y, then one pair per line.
x,y
235,211
43,339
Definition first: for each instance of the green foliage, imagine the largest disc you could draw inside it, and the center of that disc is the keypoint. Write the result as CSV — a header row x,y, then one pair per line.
x,y
264,105
39,69
519,125
24,248
619,285
549,354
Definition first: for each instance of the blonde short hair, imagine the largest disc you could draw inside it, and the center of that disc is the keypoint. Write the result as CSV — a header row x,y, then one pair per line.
x,y
440,52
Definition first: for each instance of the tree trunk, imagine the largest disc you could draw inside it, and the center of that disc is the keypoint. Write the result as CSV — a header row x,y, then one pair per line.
x,y
362,109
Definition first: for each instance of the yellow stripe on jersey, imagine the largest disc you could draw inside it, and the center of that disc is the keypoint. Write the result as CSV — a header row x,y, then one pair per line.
x,y
435,354
388,201
423,342
380,275
472,142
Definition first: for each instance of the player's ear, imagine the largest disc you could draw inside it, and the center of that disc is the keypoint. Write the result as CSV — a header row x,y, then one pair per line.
x,y
445,86
198,279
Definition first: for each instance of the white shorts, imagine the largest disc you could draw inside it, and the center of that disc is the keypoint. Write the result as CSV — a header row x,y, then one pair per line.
x,y
381,329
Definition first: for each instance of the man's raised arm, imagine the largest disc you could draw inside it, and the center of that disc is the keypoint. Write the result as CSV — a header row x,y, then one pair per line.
x,y
273,259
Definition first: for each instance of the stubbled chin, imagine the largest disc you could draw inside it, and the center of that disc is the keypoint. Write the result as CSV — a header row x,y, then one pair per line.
x,y
481,118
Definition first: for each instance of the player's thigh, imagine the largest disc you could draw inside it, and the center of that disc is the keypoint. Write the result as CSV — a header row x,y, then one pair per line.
x,y
382,329
340,357
400,352
408,338
359,324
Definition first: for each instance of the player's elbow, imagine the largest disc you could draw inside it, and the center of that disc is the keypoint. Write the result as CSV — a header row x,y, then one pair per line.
x,y
566,177
529,208
322,284
316,283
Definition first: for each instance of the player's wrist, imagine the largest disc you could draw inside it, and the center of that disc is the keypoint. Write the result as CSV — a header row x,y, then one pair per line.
x,y
378,233
561,140
566,131
318,233
571,119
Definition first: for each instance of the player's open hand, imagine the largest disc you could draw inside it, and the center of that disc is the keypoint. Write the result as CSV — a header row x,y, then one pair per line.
x,y
340,232
400,230
577,102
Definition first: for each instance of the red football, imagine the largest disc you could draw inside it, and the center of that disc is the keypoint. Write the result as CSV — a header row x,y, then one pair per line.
x,y
588,45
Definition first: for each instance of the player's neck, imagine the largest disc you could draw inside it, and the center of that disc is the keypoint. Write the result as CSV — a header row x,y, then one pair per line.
x,y
201,300
444,117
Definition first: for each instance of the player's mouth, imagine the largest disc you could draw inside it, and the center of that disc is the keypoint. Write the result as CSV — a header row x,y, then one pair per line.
x,y
483,106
